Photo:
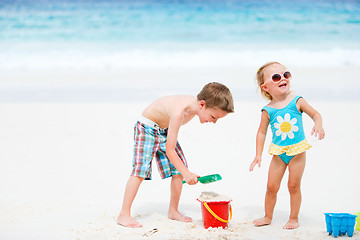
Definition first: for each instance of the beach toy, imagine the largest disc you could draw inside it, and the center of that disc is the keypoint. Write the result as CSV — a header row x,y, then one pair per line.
x,y
339,224
215,213
208,178
358,221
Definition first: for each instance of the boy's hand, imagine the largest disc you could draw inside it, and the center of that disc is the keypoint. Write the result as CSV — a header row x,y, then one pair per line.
x,y
318,132
257,161
191,179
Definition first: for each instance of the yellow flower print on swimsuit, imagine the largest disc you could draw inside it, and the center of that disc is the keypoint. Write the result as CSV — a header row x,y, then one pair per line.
x,y
287,128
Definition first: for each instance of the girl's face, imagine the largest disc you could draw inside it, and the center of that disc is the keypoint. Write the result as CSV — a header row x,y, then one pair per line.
x,y
276,88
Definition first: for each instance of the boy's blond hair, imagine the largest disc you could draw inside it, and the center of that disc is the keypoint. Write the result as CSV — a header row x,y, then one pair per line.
x,y
260,79
217,95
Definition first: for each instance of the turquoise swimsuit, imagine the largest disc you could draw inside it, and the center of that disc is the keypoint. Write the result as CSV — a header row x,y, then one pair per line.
x,y
288,138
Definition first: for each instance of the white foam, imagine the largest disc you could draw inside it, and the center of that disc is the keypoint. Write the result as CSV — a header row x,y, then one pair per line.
x,y
191,57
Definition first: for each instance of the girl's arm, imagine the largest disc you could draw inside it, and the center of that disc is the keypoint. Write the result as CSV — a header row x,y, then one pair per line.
x,y
305,107
174,126
260,139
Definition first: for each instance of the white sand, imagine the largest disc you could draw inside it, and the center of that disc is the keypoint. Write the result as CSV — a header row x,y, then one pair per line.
x,y
213,197
64,167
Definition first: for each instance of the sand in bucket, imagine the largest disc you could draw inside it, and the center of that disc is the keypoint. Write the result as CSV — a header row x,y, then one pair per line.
x,y
215,209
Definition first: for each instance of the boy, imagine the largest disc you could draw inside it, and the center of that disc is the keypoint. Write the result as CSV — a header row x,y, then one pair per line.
x,y
156,135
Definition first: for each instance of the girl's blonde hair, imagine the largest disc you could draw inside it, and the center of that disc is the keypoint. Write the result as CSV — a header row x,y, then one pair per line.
x,y
260,79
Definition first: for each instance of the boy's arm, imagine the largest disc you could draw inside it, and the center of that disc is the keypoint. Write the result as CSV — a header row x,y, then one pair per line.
x,y
260,139
315,116
174,126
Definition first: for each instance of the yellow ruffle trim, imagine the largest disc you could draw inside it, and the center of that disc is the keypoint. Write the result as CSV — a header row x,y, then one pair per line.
x,y
291,150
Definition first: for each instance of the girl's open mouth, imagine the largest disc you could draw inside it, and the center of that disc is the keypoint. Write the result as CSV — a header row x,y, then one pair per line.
x,y
283,85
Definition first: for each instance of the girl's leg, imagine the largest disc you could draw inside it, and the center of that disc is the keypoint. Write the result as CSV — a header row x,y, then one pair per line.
x,y
176,187
276,172
296,170
131,189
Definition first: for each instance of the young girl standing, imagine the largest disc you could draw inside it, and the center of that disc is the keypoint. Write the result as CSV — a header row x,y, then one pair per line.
x,y
288,146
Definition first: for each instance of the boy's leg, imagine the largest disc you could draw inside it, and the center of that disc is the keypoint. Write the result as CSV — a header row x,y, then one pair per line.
x,y
276,172
166,169
176,187
131,189
296,170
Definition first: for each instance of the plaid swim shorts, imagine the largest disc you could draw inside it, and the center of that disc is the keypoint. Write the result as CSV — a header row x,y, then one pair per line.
x,y
150,142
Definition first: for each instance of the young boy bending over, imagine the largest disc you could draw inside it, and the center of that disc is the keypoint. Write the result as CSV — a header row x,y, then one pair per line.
x,y
156,135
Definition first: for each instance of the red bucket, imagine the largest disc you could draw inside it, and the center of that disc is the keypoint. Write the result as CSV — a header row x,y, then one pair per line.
x,y
216,213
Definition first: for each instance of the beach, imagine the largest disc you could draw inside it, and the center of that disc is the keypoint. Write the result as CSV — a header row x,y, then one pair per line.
x,y
65,166
76,75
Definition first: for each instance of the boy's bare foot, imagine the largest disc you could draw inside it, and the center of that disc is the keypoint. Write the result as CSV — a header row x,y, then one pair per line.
x,y
291,224
179,217
128,221
262,222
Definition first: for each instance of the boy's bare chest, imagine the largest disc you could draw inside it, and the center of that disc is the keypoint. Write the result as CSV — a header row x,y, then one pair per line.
x,y
164,121
187,118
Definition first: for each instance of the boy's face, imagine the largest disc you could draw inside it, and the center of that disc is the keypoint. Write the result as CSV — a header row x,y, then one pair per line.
x,y
207,114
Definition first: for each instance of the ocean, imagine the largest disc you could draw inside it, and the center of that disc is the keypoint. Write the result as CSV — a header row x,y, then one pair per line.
x,y
149,34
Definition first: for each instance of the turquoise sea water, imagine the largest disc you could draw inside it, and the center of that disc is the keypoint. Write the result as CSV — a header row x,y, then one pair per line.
x,y
109,34
103,28
330,22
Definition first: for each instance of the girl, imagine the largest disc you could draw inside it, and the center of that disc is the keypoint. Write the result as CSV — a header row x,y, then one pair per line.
x,y
284,114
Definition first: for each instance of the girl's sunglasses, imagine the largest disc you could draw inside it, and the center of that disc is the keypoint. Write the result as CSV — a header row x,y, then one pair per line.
x,y
277,77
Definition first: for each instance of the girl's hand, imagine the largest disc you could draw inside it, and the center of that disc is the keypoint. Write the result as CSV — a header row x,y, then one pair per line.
x,y
192,178
318,132
257,161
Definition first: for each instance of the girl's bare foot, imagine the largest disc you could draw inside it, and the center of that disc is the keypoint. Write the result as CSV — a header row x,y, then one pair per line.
x,y
128,221
291,224
175,215
262,221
